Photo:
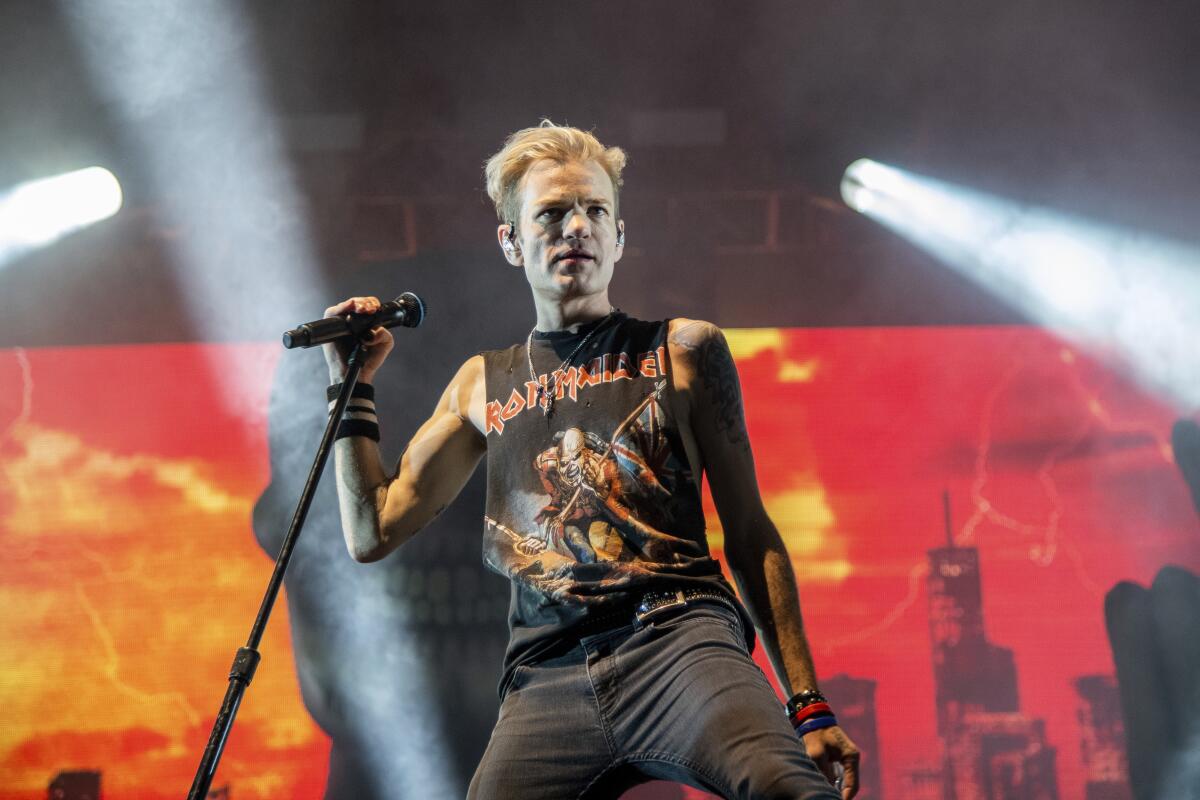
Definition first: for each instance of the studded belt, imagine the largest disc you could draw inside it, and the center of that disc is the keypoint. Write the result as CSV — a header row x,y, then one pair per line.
x,y
655,603
646,608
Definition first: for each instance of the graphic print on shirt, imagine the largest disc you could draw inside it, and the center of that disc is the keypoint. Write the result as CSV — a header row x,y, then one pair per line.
x,y
602,370
604,495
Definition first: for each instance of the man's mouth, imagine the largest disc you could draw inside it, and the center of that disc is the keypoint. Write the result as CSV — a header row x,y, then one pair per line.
x,y
576,255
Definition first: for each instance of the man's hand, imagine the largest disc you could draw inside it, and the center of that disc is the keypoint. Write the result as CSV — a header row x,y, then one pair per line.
x,y
378,345
831,748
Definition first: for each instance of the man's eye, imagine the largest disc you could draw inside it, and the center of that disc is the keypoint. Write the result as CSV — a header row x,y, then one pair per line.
x,y
601,210
550,214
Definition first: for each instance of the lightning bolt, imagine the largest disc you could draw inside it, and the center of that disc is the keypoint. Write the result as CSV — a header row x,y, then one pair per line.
x,y
984,509
1101,415
134,573
918,571
112,667
1043,554
25,551
1104,417
915,576
26,393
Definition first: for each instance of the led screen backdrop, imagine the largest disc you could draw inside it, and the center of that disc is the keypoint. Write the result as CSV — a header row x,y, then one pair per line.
x,y
131,572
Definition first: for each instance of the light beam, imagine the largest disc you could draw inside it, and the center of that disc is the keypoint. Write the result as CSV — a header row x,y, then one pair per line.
x,y
184,84
1119,293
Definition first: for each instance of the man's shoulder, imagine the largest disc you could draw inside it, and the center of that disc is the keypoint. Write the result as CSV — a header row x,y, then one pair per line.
x,y
696,346
502,359
465,390
472,368
692,334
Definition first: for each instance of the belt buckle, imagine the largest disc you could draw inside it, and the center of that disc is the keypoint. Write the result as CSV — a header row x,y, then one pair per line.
x,y
643,614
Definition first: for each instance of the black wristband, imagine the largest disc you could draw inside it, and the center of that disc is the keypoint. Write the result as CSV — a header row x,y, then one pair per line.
x,y
802,699
358,427
363,391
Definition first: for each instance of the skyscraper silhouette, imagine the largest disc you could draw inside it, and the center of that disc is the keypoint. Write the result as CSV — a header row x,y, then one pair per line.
x,y
971,674
992,751
74,785
1106,773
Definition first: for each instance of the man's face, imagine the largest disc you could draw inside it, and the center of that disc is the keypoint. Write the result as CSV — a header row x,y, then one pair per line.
x,y
567,234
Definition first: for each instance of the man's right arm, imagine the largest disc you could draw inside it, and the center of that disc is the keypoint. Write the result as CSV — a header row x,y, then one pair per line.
x,y
380,511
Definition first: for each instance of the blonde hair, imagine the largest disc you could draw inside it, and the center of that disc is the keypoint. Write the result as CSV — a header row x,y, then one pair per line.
x,y
505,170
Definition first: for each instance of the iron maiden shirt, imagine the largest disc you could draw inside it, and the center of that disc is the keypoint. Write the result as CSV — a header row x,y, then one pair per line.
x,y
593,504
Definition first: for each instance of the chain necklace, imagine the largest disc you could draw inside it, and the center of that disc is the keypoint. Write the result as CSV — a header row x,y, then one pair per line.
x,y
550,388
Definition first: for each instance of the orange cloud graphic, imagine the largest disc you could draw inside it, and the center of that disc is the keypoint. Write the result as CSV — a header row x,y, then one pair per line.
x,y
747,343
51,750
57,484
136,576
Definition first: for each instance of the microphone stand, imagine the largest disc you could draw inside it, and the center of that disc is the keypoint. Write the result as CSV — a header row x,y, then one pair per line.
x,y
247,658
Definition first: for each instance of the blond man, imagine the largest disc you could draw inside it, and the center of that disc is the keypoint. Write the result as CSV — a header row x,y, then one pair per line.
x,y
629,653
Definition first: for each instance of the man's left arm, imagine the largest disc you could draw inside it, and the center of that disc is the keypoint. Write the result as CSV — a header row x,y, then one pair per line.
x,y
761,567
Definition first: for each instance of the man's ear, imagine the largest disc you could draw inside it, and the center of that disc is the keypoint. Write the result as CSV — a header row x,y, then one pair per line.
x,y
620,239
506,235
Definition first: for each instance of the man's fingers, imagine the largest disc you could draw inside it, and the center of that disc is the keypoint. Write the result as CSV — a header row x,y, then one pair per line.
x,y
849,775
837,758
815,747
366,305
816,751
340,308
354,305
827,769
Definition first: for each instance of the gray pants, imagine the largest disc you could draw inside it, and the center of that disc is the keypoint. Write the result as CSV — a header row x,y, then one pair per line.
x,y
678,699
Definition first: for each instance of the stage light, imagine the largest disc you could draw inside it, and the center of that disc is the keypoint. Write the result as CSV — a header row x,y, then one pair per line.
x,y
36,213
1119,293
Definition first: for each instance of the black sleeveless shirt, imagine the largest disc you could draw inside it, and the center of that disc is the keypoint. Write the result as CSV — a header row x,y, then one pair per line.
x,y
593,505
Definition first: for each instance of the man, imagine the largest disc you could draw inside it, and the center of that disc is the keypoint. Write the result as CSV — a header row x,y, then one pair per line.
x,y
629,653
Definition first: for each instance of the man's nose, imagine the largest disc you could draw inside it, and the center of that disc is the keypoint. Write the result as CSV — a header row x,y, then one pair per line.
x,y
577,225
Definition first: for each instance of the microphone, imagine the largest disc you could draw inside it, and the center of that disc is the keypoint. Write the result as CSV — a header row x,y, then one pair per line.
x,y
407,311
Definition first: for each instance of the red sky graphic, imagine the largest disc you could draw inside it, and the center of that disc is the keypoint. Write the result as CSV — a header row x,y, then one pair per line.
x,y
126,476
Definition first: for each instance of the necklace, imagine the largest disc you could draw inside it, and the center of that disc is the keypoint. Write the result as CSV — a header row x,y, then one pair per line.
x,y
551,386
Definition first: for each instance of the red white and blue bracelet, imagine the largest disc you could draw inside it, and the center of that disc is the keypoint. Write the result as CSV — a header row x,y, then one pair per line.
x,y
809,711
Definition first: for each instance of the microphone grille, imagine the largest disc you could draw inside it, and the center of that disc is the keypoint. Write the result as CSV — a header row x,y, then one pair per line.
x,y
414,307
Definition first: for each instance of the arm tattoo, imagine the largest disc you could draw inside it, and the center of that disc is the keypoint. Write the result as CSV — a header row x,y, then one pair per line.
x,y
719,376
721,381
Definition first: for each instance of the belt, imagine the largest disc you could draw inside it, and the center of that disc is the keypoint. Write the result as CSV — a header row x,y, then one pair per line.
x,y
655,603
649,606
